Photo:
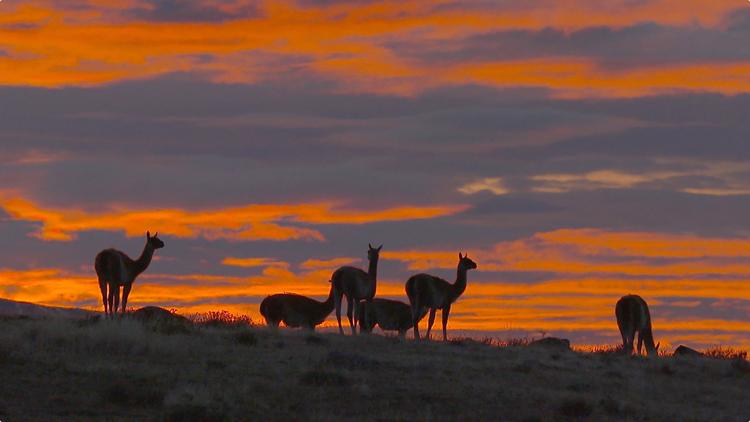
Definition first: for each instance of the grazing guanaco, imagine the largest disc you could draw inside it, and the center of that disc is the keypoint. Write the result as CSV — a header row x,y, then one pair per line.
x,y
356,285
633,316
388,314
296,310
429,292
115,269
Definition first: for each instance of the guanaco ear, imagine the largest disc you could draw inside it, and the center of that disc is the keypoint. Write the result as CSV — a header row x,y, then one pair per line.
x,y
156,234
370,246
148,235
380,247
657,347
459,256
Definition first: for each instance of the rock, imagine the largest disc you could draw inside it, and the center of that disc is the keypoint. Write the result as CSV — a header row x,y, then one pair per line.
x,y
686,351
155,313
551,342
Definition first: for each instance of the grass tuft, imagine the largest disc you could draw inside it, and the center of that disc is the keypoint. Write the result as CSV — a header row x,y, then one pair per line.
x,y
221,319
725,352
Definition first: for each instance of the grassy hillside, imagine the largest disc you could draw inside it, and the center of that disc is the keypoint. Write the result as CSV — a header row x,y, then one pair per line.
x,y
129,370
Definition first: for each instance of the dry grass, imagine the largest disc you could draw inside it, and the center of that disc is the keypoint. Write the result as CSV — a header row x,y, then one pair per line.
x,y
127,370
723,352
222,318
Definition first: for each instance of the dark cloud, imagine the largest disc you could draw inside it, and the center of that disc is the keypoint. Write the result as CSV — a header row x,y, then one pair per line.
x,y
195,11
704,141
644,44
738,20
696,108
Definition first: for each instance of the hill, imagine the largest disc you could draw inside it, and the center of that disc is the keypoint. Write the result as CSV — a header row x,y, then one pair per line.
x,y
12,308
58,369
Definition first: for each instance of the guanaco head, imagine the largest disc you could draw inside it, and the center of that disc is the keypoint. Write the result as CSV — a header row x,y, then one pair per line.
x,y
465,262
373,253
654,351
154,240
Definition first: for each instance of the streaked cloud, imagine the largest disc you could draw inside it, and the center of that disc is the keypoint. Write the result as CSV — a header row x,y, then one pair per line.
x,y
246,42
253,262
251,222
591,251
601,179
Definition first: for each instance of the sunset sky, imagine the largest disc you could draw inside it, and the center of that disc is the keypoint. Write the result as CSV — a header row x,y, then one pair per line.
x,y
577,150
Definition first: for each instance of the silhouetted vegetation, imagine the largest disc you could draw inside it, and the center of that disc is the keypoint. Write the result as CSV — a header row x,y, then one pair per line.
x,y
723,352
221,319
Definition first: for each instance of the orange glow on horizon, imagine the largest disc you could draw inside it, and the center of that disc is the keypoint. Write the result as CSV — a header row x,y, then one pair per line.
x,y
567,301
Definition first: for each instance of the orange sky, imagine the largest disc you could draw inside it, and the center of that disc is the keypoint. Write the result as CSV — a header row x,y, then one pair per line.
x,y
577,150
51,46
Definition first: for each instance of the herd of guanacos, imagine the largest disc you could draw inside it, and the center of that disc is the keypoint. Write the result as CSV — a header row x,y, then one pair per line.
x,y
425,292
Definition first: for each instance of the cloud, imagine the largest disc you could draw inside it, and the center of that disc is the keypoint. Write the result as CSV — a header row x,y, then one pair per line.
x,y
251,222
612,47
254,262
219,43
195,10
575,252
600,179
490,184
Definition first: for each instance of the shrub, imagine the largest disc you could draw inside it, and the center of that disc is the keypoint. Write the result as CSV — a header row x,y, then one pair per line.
x,y
514,342
604,349
723,352
221,319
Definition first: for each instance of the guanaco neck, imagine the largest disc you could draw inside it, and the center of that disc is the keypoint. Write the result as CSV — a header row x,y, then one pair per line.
x,y
460,285
327,306
144,260
372,270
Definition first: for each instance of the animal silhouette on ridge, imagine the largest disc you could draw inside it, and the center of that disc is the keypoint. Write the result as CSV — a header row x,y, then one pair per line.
x,y
115,269
429,292
388,314
356,285
634,317
295,310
